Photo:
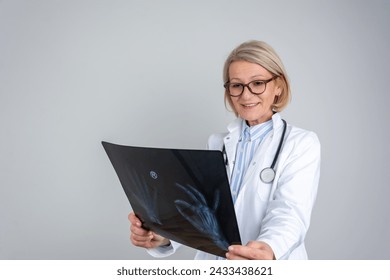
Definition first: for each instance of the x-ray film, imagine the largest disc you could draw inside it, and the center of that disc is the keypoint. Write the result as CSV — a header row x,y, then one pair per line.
x,y
183,195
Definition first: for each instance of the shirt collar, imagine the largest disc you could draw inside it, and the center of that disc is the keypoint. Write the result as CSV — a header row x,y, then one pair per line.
x,y
252,133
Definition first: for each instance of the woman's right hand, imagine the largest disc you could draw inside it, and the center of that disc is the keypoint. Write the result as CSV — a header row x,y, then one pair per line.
x,y
144,238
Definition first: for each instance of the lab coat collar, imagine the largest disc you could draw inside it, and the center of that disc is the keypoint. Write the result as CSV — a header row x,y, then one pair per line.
x,y
235,125
277,121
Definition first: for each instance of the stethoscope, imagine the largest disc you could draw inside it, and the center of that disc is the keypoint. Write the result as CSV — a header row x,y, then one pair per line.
x,y
267,175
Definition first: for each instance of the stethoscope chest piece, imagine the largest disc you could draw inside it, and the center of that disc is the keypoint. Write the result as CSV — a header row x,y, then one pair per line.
x,y
267,175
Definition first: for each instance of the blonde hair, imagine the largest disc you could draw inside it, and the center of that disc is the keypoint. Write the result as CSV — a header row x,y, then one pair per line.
x,y
263,54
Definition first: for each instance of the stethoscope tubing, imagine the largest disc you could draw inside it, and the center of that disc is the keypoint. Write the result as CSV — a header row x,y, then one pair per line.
x,y
280,145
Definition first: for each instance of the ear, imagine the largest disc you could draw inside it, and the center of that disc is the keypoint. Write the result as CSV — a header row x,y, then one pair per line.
x,y
278,90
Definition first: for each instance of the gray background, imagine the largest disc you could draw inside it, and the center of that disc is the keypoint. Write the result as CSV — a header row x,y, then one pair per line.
x,y
73,73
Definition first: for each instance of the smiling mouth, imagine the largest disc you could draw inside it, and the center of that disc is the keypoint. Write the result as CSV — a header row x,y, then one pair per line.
x,y
249,105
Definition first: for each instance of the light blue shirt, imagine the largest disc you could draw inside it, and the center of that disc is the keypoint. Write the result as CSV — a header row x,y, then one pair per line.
x,y
249,141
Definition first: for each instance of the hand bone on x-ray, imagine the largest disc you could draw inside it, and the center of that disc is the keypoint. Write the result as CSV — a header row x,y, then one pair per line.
x,y
202,216
147,196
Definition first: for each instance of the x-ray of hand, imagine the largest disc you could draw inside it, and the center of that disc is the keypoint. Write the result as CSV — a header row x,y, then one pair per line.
x,y
145,196
202,217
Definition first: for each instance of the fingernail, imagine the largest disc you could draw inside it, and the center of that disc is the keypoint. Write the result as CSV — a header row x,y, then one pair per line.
x,y
230,248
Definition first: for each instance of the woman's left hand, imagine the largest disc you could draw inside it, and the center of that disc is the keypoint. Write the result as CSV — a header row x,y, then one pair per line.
x,y
254,250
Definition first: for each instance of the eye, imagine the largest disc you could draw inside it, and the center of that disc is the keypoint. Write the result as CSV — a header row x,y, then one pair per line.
x,y
235,85
257,83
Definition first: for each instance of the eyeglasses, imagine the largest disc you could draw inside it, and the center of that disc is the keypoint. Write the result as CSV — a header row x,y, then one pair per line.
x,y
255,87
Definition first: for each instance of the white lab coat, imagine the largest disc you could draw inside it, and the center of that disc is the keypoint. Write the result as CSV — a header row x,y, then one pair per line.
x,y
277,213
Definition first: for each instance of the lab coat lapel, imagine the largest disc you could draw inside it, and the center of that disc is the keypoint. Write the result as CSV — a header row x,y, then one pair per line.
x,y
230,142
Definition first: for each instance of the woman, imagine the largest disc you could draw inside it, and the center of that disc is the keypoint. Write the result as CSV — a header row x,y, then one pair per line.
x,y
273,212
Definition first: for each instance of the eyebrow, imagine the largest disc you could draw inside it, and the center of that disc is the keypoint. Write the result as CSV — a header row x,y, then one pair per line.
x,y
250,77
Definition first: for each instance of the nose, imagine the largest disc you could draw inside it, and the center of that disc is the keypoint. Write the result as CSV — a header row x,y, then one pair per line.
x,y
246,92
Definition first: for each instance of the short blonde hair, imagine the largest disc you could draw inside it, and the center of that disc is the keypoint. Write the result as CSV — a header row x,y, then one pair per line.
x,y
263,54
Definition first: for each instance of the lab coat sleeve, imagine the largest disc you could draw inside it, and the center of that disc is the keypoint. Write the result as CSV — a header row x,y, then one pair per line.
x,y
164,251
215,141
288,213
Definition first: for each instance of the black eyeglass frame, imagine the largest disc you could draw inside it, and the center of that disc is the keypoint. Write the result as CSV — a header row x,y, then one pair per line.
x,y
227,84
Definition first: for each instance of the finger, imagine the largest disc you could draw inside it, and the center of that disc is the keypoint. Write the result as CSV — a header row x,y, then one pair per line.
x,y
149,241
247,253
140,231
139,239
263,247
158,238
140,243
232,256
142,237
134,219
236,252
256,244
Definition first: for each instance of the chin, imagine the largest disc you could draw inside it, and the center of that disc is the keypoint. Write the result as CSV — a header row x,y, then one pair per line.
x,y
250,118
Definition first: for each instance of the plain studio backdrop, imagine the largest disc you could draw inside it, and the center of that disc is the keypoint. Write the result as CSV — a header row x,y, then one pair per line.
x,y
149,73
